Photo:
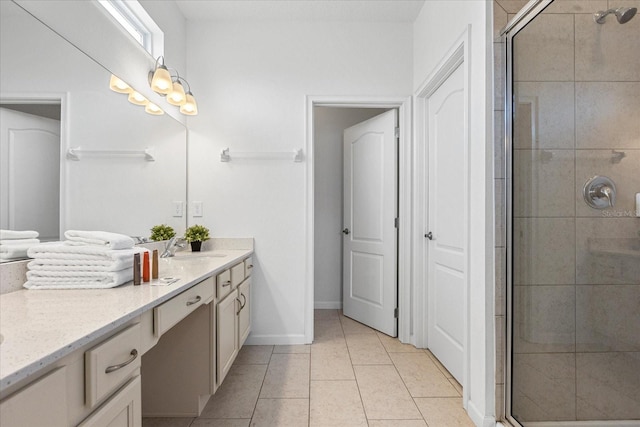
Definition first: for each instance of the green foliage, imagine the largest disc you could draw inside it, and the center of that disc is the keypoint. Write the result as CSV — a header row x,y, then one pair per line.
x,y
196,233
162,232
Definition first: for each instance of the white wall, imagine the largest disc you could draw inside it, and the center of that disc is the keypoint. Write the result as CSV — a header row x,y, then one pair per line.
x,y
437,27
329,123
251,80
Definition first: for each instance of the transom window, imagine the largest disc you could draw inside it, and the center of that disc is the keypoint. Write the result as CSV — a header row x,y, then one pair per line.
x,y
135,20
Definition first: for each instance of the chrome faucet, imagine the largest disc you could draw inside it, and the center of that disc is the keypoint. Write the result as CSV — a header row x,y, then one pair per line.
x,y
172,246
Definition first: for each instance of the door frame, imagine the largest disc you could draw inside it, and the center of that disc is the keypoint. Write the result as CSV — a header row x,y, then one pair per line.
x,y
457,55
61,98
404,106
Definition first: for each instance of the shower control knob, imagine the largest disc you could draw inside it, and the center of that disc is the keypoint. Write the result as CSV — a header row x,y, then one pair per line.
x,y
429,235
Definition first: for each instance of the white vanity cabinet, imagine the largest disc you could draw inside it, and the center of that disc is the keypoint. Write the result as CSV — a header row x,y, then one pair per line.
x,y
233,314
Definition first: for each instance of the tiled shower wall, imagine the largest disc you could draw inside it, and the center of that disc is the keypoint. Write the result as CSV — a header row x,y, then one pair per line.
x,y
577,296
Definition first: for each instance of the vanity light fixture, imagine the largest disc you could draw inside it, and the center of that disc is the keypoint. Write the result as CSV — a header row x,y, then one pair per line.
x,y
189,108
117,85
177,96
137,99
160,78
152,108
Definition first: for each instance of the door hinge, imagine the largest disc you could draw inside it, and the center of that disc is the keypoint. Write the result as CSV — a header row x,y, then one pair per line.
x,y
396,222
395,312
396,132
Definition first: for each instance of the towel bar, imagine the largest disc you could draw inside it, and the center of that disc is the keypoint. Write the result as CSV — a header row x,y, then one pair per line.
x,y
296,155
76,153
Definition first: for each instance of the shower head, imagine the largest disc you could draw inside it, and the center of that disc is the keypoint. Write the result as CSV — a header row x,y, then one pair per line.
x,y
623,14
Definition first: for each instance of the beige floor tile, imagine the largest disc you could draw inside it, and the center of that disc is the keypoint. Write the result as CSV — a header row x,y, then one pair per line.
x,y
439,365
212,422
350,326
421,375
336,403
292,349
456,385
444,412
327,330
397,423
366,349
329,345
281,412
383,393
331,366
287,377
254,355
237,396
393,345
166,422
325,314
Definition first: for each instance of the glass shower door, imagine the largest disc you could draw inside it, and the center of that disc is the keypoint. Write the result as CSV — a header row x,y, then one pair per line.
x,y
574,275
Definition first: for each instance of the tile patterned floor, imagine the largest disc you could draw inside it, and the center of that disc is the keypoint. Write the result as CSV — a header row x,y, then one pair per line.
x,y
350,376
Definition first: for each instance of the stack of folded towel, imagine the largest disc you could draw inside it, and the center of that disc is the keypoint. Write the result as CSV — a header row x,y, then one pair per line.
x,y
14,244
86,260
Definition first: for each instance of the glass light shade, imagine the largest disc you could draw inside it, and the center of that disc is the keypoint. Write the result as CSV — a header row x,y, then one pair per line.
x,y
117,85
152,108
190,108
137,99
161,81
177,96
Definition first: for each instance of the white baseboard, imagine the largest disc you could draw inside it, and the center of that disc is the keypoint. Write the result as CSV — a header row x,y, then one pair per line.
x,y
276,339
478,418
327,305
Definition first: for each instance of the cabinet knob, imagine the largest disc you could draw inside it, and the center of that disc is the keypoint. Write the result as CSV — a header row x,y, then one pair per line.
x,y
346,231
429,235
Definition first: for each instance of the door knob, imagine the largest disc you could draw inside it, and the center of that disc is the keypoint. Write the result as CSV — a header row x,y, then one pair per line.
x,y
345,231
429,235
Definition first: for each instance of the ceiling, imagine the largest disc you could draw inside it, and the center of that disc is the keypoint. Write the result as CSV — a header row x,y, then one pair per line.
x,y
301,10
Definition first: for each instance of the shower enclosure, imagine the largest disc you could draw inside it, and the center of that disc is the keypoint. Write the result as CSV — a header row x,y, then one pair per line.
x,y
573,226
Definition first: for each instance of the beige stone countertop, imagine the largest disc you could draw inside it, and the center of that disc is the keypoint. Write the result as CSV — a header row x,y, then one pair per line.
x,y
39,327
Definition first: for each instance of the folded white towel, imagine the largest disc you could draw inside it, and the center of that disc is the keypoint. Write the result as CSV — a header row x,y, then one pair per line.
x,y
74,254
8,252
100,238
88,281
14,234
9,242
48,264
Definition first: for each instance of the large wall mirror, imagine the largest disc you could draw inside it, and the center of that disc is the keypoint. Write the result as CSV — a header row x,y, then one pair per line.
x,y
54,98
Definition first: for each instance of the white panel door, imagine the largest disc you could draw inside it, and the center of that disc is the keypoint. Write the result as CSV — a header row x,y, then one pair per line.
x,y
30,173
370,209
447,225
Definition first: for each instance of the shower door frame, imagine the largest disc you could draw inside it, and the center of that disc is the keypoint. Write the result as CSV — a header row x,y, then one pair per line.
x,y
529,12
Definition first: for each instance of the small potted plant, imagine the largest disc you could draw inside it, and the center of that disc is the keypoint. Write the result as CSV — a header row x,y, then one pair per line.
x,y
196,234
162,232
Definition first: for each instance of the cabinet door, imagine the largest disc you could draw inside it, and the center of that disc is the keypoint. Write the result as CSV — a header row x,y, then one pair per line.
x,y
227,334
43,403
122,410
244,317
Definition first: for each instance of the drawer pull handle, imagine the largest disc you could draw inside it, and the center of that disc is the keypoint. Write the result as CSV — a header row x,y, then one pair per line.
x,y
249,267
194,301
134,355
227,283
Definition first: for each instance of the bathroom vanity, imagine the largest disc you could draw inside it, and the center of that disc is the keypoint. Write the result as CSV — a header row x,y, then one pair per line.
x,y
106,357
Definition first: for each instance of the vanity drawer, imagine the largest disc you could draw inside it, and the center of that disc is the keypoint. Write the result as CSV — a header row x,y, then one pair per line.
x,y
165,316
237,274
223,284
111,364
248,266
